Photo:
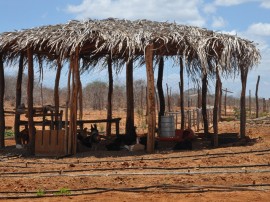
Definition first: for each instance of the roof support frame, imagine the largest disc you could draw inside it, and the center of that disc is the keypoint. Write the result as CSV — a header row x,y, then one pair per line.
x,y
151,119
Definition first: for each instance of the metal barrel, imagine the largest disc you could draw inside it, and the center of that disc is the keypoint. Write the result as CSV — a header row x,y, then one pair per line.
x,y
167,126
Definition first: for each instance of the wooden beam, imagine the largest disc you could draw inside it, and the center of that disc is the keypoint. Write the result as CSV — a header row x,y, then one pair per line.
x,y
80,98
216,108
67,134
2,93
18,99
150,98
130,96
244,74
256,96
204,103
74,100
160,91
30,88
182,104
110,95
56,88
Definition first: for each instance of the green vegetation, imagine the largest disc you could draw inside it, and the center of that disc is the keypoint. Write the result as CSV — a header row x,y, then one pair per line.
x,y
9,133
236,113
40,192
63,191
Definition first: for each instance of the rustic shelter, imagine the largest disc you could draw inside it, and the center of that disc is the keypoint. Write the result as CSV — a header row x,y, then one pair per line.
x,y
83,43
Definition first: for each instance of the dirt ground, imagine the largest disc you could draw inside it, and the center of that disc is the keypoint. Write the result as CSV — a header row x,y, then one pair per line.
x,y
237,171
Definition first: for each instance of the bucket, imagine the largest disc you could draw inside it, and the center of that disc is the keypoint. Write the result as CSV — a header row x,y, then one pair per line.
x,y
167,126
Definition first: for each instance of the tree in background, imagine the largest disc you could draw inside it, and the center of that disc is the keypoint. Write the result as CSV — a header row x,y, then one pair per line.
x,y
96,95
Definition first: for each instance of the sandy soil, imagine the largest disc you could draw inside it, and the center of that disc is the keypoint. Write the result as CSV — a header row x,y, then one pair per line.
x,y
233,172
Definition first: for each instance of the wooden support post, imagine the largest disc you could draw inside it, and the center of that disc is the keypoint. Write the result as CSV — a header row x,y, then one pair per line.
x,y
244,74
256,95
204,100
181,86
216,108
80,98
2,93
110,95
74,100
67,134
151,98
249,103
225,102
157,101
168,98
18,99
160,91
30,88
56,90
220,101
130,96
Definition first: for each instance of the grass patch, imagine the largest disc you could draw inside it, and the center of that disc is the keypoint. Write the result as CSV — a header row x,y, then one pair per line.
x,y
63,191
9,133
40,192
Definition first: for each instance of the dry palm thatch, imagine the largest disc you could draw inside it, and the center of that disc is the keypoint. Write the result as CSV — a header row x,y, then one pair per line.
x,y
124,38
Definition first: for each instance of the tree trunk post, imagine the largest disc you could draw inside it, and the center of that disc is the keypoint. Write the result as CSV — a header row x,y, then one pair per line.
x,y
150,98
216,108
56,89
204,103
249,103
74,100
225,102
130,96
18,100
256,95
160,91
110,95
168,98
244,74
220,101
80,98
67,134
30,89
2,112
182,104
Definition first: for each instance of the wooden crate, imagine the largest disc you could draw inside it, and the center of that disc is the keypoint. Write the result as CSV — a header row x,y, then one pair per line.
x,y
50,143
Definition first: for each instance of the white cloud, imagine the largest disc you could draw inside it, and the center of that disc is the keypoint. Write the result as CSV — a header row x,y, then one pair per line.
x,y
181,11
231,2
218,22
265,4
260,29
209,8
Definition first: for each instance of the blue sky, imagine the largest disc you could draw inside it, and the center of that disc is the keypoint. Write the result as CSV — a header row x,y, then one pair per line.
x,y
247,18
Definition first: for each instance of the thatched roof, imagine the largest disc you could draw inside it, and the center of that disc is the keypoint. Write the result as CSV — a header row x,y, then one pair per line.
x,y
124,38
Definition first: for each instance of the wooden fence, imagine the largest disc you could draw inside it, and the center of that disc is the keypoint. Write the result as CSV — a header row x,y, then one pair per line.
x,y
193,118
